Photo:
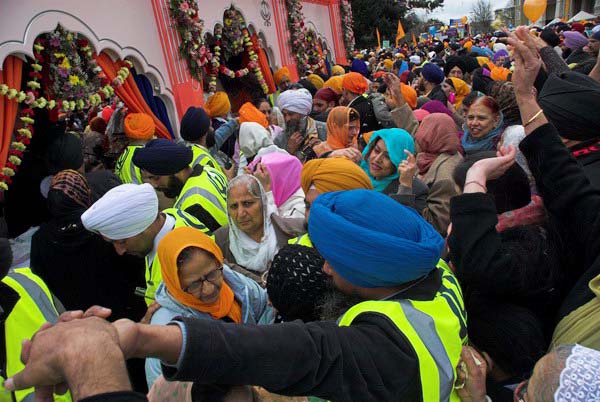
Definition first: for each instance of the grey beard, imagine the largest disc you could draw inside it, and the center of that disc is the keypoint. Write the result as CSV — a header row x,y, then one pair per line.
x,y
334,303
296,126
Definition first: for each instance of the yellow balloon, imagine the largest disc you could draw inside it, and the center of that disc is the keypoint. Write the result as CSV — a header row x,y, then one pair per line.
x,y
534,9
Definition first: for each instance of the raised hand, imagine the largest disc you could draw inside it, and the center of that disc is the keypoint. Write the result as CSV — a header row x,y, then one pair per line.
x,y
407,169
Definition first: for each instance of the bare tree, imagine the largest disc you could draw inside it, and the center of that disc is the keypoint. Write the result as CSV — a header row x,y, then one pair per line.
x,y
481,16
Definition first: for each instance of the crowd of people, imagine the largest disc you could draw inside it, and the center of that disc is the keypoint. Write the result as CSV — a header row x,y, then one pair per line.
x,y
421,225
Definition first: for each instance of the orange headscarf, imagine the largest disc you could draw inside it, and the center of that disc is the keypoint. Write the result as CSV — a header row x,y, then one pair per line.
x,y
169,249
355,83
139,126
218,104
279,74
500,74
250,114
335,83
333,174
337,128
409,94
461,89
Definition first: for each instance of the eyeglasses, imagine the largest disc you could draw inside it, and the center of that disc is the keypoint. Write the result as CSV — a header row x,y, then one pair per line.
x,y
521,391
211,277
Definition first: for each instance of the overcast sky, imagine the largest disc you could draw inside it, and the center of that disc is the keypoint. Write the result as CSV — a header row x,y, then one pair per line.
x,y
457,8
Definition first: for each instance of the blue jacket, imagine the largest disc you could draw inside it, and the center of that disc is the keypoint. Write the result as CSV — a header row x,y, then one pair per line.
x,y
252,298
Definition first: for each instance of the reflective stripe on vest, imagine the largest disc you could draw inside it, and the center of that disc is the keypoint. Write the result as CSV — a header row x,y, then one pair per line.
x,y
434,331
125,169
34,307
203,157
153,274
209,190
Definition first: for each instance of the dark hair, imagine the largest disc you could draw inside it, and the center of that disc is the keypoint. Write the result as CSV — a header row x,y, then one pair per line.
x,y
511,335
449,82
489,103
511,190
470,98
353,115
186,254
504,93
259,101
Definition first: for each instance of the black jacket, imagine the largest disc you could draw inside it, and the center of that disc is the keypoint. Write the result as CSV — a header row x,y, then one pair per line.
x,y
437,93
370,360
364,107
573,201
588,154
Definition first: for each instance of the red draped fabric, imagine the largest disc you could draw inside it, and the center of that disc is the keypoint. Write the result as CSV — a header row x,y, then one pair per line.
x,y
10,75
263,62
129,93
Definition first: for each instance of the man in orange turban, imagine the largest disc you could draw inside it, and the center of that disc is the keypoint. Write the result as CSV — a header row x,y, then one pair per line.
x,y
218,105
282,78
354,85
249,113
139,129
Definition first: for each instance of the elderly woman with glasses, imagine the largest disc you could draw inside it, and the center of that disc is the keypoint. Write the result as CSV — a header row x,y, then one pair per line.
x,y
196,283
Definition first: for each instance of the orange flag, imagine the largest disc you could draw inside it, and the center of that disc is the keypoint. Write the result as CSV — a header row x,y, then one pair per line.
x,y
400,34
414,40
378,39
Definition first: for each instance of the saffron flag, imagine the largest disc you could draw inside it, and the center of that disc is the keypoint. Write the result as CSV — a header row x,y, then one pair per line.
x,y
414,40
400,34
378,39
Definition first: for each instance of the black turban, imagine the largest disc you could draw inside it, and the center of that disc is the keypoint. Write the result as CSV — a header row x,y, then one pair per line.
x,y
194,124
455,61
65,152
162,157
471,63
570,101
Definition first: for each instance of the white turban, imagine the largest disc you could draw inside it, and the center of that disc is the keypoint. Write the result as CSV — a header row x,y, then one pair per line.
x,y
296,100
415,59
123,212
499,46
253,137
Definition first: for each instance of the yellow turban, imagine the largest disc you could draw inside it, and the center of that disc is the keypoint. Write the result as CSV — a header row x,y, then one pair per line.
x,y
333,174
279,74
337,70
500,74
482,60
316,80
335,83
388,64
218,104
139,126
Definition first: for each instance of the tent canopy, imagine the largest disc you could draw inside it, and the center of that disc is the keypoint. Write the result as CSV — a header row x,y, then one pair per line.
x,y
582,15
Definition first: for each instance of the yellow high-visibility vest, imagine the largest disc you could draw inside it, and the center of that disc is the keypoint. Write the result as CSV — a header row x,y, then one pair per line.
x,y
125,169
435,328
35,307
303,240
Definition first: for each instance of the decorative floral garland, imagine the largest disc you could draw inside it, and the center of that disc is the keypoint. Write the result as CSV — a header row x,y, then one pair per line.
x,y
233,33
298,33
192,48
347,24
72,72
217,66
32,99
24,134
315,59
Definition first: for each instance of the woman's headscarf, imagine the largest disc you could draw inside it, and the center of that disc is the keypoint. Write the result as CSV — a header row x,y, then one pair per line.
x,y
396,140
247,252
68,198
169,249
487,143
461,89
435,106
436,135
285,175
333,174
337,128
253,137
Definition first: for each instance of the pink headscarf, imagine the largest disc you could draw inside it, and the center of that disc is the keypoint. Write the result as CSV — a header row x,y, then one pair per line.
x,y
285,175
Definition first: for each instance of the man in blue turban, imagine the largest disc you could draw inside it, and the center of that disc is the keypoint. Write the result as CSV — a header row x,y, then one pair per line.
x,y
199,191
430,82
400,339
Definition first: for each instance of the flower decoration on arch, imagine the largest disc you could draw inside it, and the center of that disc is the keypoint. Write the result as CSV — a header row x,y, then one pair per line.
x,y
188,24
347,24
